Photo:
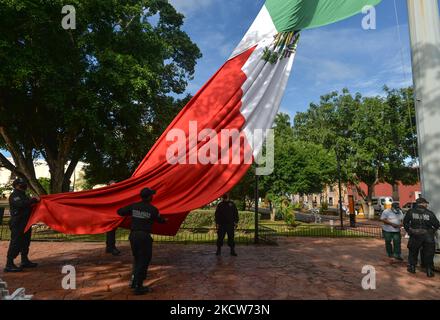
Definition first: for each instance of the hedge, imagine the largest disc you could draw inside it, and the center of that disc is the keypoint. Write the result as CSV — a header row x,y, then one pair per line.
x,y
206,219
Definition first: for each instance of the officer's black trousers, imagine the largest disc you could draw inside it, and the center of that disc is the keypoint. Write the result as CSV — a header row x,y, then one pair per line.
x,y
222,231
110,240
142,248
426,243
20,241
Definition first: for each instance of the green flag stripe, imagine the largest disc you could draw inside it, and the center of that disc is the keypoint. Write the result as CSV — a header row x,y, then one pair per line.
x,y
294,15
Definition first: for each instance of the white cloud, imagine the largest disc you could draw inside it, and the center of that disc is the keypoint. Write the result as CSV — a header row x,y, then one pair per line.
x,y
188,7
354,58
218,42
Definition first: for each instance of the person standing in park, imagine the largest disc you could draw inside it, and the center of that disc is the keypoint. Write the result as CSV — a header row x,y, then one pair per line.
x,y
421,225
143,215
20,206
226,219
392,218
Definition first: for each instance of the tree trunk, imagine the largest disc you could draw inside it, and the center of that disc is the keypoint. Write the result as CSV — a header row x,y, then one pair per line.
x,y
68,174
57,158
370,207
56,176
396,194
23,165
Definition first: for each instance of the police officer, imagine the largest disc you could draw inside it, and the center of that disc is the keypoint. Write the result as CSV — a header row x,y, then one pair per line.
x,y
143,215
226,219
20,209
421,225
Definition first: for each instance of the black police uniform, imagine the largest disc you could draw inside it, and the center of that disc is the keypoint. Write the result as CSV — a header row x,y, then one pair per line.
x,y
143,216
421,225
20,210
226,217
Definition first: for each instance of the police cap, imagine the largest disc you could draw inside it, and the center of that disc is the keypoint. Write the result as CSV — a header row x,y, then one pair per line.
x,y
421,201
19,182
147,192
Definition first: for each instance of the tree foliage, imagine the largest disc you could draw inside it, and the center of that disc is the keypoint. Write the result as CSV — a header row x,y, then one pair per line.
x,y
99,93
301,167
373,136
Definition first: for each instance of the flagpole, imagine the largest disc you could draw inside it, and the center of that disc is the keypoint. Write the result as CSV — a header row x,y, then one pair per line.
x,y
424,25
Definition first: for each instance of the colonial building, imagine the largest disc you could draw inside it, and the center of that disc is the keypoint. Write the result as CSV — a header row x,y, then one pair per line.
x,y
330,194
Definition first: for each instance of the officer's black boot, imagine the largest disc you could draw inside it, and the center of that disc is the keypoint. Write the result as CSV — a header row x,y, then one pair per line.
x,y
139,288
219,251
11,267
233,253
411,268
430,272
26,263
114,251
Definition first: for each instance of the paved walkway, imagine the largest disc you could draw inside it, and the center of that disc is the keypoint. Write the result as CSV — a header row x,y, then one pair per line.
x,y
299,268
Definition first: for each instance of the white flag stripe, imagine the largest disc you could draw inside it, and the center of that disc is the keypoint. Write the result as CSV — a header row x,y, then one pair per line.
x,y
263,92
262,28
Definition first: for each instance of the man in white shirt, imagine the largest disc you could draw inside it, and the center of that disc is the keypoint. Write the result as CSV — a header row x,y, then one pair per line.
x,y
392,217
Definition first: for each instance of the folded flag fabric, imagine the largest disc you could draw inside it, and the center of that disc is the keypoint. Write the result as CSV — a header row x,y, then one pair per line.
x,y
213,141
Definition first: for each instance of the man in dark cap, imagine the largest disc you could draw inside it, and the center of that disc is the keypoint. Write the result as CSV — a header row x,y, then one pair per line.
x,y
421,225
143,215
226,219
20,206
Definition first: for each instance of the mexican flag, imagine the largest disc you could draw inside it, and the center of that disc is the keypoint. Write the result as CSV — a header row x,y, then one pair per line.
x,y
213,141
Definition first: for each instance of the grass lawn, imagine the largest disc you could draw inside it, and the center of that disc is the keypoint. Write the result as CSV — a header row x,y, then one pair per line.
x,y
315,230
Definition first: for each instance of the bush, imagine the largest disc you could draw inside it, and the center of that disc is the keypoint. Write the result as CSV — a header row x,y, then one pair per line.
x,y
206,219
279,215
45,183
200,219
284,209
289,218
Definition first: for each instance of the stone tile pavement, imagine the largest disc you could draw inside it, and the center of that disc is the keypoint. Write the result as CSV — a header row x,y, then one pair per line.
x,y
298,268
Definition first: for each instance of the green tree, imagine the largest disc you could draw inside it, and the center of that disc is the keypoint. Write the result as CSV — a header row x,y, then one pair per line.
x,y
104,87
374,136
300,166
115,157
244,191
45,183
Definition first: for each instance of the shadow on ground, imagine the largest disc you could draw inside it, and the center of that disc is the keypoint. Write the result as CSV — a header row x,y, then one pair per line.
x,y
299,268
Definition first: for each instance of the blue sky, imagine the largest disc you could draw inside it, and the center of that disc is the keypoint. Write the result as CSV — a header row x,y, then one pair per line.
x,y
328,58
